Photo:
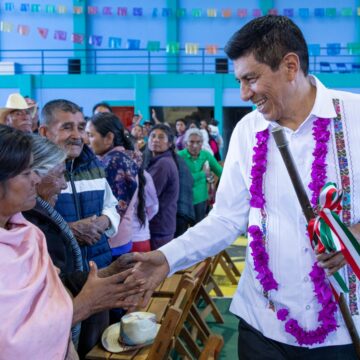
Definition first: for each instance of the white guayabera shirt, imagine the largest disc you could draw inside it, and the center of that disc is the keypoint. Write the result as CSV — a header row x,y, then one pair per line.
x,y
291,256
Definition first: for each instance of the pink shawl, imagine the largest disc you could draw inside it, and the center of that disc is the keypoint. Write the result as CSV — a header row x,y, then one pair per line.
x,y
35,309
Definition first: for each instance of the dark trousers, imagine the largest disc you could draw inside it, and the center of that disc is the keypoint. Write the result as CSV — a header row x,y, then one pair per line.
x,y
91,330
182,224
252,345
200,211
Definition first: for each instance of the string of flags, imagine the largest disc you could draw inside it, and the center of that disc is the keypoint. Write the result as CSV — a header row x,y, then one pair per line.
x,y
121,11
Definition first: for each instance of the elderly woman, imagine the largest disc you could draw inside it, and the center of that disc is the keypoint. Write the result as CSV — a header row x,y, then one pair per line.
x,y
36,311
200,163
92,292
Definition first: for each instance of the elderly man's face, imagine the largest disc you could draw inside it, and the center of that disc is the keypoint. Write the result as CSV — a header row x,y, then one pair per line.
x,y
194,145
68,131
20,120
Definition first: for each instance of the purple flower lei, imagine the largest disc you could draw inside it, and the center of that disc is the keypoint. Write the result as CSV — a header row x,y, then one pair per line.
x,y
326,315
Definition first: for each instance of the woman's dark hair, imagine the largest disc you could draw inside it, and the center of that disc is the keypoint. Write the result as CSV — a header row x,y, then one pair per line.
x,y
109,122
269,38
140,211
15,152
103,104
170,135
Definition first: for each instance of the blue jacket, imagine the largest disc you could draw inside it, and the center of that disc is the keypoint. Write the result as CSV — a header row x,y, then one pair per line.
x,y
84,197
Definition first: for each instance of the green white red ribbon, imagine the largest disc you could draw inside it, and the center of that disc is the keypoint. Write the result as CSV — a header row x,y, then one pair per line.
x,y
331,234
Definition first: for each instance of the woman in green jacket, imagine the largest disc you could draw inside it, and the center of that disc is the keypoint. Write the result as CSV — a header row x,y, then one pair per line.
x,y
200,163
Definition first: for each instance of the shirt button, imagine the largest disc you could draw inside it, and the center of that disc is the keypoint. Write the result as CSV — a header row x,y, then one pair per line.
x,y
306,249
306,278
307,307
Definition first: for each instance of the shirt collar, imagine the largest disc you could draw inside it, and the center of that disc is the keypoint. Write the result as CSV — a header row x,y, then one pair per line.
x,y
323,107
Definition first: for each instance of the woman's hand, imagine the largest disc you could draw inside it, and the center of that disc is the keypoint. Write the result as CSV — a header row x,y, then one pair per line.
x,y
100,294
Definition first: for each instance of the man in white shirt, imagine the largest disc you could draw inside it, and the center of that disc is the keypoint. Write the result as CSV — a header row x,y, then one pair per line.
x,y
277,302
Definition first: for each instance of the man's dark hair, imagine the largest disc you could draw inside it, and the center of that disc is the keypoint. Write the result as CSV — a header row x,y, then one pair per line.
x,y
58,105
103,104
269,38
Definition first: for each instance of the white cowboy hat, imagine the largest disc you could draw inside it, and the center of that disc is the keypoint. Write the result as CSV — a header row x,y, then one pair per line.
x,y
14,102
135,331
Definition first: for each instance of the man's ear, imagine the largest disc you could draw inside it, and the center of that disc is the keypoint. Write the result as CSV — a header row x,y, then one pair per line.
x,y
291,63
43,130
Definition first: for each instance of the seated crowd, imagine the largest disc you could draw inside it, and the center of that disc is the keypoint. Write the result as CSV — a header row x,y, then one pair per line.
x,y
77,198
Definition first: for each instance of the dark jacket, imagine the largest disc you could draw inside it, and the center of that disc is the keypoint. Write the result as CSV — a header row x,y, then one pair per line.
x,y
185,206
60,253
165,174
84,197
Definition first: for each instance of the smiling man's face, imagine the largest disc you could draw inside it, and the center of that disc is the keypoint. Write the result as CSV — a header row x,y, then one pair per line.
x,y
68,131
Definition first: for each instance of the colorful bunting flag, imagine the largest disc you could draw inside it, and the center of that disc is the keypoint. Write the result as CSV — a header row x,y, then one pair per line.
x,y
333,49
196,13
133,44
60,35
191,48
35,8
77,38
9,6
330,12
107,10
272,11
23,30
122,11
6,26
95,40
92,10
353,48
166,12
78,10
314,49
304,13
180,12
346,12
24,7
43,32
173,47
153,46
319,12
226,13
211,49
241,13
61,9
50,9
256,12
137,11
288,12
114,43
154,12
211,12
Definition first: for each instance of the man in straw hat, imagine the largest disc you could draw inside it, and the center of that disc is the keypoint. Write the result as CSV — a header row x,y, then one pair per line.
x,y
17,113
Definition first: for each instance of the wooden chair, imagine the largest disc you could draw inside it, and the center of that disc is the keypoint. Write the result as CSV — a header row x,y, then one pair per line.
x,y
212,348
171,321
224,260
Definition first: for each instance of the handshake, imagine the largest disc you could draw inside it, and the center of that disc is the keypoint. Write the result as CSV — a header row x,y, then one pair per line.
x,y
126,283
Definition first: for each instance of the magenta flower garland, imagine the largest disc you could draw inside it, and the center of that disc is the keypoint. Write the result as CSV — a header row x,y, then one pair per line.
x,y
326,315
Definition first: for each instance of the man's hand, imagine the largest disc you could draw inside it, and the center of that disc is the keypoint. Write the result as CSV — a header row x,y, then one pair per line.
x,y
100,294
331,262
123,262
88,231
151,269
